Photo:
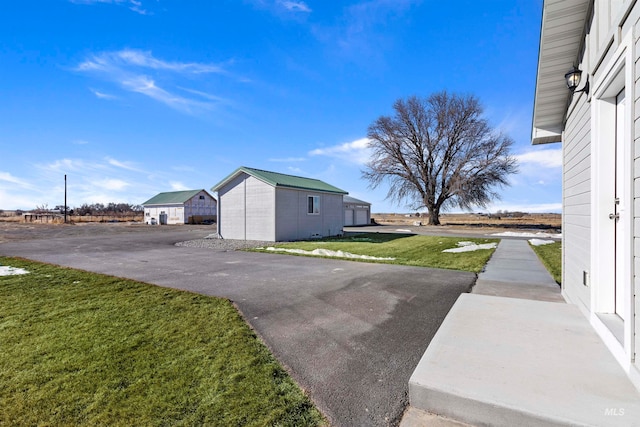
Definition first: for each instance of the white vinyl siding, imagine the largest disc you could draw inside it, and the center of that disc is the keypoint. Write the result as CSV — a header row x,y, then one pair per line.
x,y
293,222
260,210
247,209
255,209
577,203
231,198
636,189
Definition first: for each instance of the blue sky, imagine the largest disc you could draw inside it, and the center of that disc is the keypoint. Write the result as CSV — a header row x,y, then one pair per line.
x,y
133,97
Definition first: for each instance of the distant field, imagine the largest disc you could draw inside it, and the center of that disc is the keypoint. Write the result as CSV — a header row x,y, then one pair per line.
x,y
537,220
545,220
58,218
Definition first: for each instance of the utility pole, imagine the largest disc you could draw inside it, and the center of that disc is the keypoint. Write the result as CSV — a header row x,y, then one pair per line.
x,y
65,198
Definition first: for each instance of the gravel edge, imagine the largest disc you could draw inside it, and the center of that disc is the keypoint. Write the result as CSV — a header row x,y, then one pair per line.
x,y
224,244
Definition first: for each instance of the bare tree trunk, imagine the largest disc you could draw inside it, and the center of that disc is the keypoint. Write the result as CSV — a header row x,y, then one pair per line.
x,y
434,217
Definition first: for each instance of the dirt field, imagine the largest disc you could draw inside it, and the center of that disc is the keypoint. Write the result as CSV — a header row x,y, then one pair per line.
x,y
545,221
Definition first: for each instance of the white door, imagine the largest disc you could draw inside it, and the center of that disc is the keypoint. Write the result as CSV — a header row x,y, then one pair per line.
x,y
620,203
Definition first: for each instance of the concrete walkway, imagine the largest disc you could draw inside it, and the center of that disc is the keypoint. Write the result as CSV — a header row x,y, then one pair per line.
x,y
515,271
510,354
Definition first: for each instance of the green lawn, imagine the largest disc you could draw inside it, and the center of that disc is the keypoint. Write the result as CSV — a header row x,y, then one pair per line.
x,y
78,348
422,251
551,257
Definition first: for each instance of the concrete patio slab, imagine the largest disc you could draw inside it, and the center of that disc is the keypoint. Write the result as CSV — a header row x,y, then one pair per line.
x,y
506,361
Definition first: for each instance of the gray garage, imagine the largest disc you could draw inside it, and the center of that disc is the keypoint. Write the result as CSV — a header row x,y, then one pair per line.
x,y
356,212
254,204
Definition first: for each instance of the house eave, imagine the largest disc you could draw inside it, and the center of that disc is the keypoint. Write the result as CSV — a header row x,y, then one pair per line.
x,y
561,37
546,136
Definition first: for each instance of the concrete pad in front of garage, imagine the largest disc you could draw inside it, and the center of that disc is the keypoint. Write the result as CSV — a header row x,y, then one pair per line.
x,y
350,333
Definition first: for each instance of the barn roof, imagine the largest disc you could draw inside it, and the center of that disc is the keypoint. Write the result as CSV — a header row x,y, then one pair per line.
x,y
172,197
282,180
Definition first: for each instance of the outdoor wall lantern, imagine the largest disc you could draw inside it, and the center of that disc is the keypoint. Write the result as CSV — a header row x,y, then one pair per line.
x,y
573,80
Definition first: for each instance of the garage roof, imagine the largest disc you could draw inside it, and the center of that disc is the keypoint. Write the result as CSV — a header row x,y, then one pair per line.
x,y
282,180
353,200
561,36
172,197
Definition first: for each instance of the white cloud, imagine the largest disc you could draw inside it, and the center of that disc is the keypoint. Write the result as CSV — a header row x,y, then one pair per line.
x,y
89,180
103,95
145,59
7,177
123,165
360,31
546,158
288,159
283,8
204,95
80,142
295,6
297,171
134,5
355,151
128,69
148,87
111,184
65,165
178,186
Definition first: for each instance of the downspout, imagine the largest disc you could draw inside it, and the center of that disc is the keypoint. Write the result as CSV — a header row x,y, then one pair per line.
x,y
218,214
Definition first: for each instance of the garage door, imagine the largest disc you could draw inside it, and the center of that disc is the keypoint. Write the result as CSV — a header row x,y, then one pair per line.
x,y
361,217
348,217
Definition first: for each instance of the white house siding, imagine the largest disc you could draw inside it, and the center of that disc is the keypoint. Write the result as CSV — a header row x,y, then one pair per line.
x,y
293,222
577,204
636,189
612,52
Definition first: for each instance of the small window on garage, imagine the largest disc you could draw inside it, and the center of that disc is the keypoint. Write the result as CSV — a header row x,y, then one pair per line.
x,y
313,205
201,197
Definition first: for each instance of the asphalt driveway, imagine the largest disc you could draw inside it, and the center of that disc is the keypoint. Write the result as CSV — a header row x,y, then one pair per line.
x,y
350,333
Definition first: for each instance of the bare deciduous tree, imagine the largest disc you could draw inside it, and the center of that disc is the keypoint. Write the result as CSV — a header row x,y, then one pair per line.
x,y
439,152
